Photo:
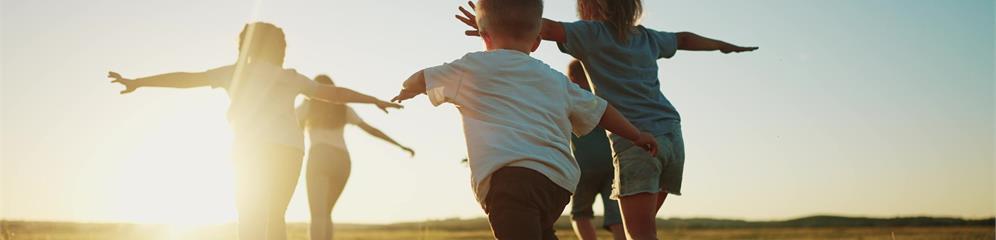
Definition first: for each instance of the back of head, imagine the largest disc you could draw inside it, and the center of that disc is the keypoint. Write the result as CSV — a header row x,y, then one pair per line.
x,y
262,42
620,14
517,19
575,71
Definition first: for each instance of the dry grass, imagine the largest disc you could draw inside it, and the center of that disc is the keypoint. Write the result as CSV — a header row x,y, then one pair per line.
x,y
67,231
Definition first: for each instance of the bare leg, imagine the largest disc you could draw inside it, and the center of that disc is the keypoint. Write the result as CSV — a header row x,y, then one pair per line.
x,y
328,171
249,199
639,215
584,229
661,196
618,233
285,168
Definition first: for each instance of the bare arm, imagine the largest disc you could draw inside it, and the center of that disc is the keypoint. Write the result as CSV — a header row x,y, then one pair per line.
x,y
412,87
345,95
377,133
614,122
694,42
169,80
553,31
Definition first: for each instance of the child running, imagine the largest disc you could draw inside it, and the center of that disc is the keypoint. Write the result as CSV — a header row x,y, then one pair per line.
x,y
594,157
518,115
620,58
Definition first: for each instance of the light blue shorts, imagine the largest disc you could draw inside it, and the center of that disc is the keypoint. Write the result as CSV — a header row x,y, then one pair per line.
x,y
639,172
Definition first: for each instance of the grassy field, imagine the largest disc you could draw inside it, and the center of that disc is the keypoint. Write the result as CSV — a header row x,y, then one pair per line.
x,y
298,231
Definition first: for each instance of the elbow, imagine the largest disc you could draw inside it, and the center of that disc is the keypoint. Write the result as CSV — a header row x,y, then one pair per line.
x,y
682,38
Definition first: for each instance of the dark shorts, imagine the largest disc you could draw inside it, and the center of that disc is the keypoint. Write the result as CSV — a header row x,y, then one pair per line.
x,y
584,198
594,156
523,204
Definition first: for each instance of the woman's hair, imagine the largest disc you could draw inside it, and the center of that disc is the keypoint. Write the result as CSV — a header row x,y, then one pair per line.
x,y
260,41
323,114
622,15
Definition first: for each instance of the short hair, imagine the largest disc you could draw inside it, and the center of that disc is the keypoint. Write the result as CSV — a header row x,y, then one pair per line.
x,y
519,19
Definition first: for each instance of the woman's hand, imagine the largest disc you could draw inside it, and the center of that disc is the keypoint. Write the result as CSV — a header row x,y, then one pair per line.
x,y
388,105
130,85
409,150
469,19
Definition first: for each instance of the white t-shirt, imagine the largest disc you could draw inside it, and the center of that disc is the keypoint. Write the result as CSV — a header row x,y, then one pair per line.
x,y
262,97
328,136
517,111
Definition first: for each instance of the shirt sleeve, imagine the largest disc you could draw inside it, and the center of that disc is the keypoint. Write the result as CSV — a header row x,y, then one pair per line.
x,y
352,118
302,83
442,83
585,109
220,77
667,43
576,35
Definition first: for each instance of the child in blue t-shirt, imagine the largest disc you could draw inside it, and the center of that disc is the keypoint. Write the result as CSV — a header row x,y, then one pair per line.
x,y
620,58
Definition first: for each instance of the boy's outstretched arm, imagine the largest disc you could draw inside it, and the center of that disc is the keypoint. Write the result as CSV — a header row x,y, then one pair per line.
x,y
169,80
614,122
550,31
412,87
694,42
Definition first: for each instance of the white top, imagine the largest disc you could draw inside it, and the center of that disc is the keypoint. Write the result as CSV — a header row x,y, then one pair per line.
x,y
328,136
262,97
517,111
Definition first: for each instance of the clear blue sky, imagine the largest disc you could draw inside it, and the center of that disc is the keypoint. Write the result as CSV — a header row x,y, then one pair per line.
x,y
873,108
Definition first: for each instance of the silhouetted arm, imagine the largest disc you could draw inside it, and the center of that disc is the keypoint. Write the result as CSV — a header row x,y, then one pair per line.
x,y
377,133
174,80
694,42
328,93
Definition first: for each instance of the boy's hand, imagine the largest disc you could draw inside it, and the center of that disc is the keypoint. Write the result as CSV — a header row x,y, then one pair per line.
x,y
469,19
386,105
130,85
730,48
647,142
405,94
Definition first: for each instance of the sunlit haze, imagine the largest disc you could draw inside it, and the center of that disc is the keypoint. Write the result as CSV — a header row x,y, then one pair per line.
x,y
851,107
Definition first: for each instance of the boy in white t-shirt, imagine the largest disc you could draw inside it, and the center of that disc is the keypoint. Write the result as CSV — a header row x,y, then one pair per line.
x,y
518,114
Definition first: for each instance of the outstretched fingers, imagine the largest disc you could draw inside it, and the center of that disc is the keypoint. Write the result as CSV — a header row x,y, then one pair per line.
x,y
469,19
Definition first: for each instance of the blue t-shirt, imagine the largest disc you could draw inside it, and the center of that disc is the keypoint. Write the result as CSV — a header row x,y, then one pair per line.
x,y
625,73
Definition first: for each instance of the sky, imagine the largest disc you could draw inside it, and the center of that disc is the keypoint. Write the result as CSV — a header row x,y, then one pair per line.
x,y
860,108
